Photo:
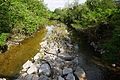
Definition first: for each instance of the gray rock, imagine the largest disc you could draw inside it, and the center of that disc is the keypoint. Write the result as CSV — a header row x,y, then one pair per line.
x,y
27,64
60,71
80,73
43,77
60,78
70,77
59,60
70,45
45,69
67,71
35,77
65,56
32,69
30,77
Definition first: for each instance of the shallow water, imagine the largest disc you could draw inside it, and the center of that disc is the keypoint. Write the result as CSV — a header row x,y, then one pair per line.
x,y
12,60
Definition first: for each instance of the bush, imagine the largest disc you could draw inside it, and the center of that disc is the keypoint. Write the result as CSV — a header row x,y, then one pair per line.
x,y
22,16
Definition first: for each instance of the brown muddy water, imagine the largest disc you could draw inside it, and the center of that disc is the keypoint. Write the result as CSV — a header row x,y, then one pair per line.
x,y
12,60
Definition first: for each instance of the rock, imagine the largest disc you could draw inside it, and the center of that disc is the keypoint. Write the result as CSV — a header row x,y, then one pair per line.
x,y
45,69
53,50
80,73
37,62
32,69
43,44
37,56
68,64
24,74
35,77
69,45
60,71
66,56
70,77
76,60
24,70
76,47
2,79
43,77
59,60
27,64
30,77
38,66
60,78
67,71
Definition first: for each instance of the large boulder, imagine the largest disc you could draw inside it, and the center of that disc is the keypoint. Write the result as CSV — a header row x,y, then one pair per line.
x,y
80,73
27,64
45,69
32,69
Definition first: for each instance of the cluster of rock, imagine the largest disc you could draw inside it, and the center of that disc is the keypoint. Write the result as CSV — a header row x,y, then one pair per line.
x,y
55,61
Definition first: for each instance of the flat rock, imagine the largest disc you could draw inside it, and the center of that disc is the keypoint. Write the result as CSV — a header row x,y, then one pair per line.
x,y
27,64
80,73
67,71
45,69
32,69
70,77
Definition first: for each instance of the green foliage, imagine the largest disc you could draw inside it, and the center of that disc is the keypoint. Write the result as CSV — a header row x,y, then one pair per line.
x,y
3,38
104,19
103,4
22,16
112,46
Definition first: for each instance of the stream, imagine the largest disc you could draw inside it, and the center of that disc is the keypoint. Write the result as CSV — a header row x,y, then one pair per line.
x,y
12,60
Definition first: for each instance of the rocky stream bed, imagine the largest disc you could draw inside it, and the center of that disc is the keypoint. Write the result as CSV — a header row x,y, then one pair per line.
x,y
60,58
56,59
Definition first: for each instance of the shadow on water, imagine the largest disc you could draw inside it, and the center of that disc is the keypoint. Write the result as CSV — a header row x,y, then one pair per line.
x,y
93,72
12,60
86,53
